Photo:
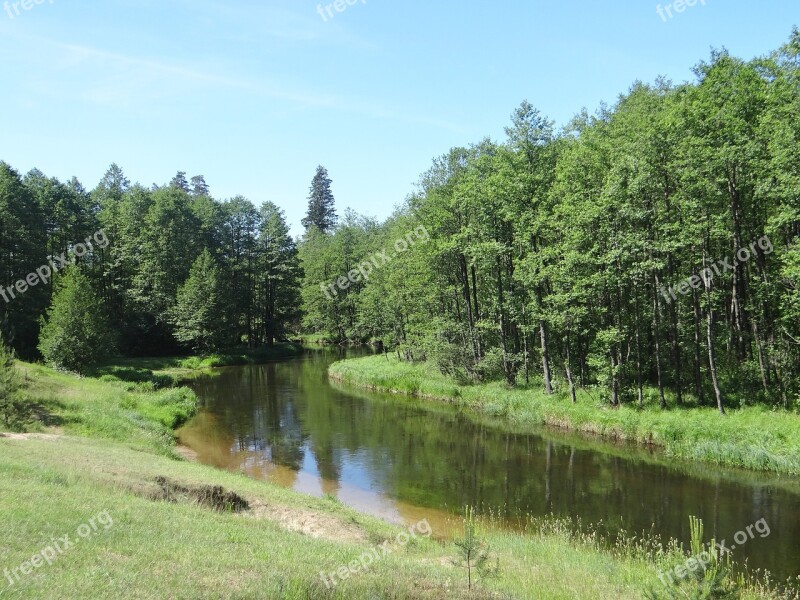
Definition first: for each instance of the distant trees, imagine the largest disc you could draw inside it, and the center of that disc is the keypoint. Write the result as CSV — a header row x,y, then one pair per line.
x,y
555,255
179,182
23,248
199,187
321,211
325,258
169,245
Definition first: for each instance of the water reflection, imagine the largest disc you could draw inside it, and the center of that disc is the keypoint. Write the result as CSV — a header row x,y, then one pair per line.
x,y
401,460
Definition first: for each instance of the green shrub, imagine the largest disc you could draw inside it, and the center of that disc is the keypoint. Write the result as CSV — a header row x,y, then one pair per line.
x,y
75,333
13,411
172,407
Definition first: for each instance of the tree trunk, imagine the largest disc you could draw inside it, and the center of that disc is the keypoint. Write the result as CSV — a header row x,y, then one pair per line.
x,y
712,355
676,348
614,379
762,363
657,340
568,369
639,387
698,378
525,344
508,369
548,384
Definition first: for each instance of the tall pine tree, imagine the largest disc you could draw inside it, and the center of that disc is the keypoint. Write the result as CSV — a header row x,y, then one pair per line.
x,y
321,210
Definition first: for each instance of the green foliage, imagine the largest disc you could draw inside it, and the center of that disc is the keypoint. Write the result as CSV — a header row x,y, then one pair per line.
x,y
574,259
549,260
713,579
195,315
167,251
13,411
155,236
75,334
325,258
321,204
23,249
474,552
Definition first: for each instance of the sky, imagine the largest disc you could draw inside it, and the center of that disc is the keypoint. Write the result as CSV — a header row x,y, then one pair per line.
x,y
254,95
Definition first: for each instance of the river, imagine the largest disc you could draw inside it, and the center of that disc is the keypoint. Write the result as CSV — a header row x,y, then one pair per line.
x,y
404,460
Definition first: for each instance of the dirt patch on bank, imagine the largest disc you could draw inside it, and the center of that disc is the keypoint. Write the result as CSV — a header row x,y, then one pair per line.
x,y
30,436
315,524
308,522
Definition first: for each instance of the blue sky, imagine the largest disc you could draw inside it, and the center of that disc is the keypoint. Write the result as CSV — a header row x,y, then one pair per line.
x,y
254,95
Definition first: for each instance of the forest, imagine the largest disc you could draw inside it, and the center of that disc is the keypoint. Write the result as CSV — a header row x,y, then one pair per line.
x,y
178,270
650,250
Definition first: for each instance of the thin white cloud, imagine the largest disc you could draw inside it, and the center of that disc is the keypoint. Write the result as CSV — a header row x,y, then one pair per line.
x,y
112,63
122,81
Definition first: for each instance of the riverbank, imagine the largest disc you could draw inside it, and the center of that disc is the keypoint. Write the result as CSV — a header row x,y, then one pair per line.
x,y
754,438
169,370
105,447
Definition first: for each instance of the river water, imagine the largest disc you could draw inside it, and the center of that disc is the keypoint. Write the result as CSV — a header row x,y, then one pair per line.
x,y
405,460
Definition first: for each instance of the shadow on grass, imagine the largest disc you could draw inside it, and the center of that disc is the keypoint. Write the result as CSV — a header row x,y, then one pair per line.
x,y
130,374
44,412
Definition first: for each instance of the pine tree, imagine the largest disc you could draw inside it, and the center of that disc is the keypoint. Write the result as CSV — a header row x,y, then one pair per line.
x,y
113,185
196,315
321,212
167,248
179,182
473,552
75,332
279,294
199,186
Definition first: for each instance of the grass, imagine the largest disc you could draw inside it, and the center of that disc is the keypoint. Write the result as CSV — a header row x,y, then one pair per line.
x,y
753,437
103,444
157,549
141,413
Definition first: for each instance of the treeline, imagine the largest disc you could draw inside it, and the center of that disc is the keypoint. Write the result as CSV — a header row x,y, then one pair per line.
x,y
574,257
176,269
